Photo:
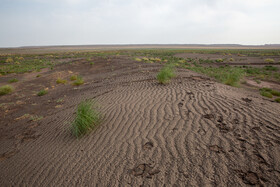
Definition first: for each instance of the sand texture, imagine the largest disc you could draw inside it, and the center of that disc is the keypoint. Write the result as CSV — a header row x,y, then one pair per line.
x,y
191,132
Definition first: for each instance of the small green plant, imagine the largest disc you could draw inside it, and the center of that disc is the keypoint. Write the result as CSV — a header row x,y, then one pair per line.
x,y
219,60
35,117
42,92
275,93
269,60
9,60
87,117
92,63
157,60
13,80
231,59
60,100
79,81
270,68
138,59
39,75
6,89
145,59
266,94
272,92
266,89
257,80
61,81
73,77
277,100
165,74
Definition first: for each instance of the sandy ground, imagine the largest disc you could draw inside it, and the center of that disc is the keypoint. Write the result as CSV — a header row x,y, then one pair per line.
x,y
191,132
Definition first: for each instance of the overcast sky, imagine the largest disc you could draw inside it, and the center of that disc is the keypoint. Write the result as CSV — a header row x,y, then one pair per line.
x,y
78,22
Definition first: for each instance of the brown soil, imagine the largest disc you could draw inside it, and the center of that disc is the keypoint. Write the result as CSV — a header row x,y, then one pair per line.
x,y
237,60
191,132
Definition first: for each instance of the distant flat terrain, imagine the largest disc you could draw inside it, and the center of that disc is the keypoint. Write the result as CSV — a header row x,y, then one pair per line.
x,y
51,49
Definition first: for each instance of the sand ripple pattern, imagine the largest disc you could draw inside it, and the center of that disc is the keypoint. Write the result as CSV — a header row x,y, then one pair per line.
x,y
192,132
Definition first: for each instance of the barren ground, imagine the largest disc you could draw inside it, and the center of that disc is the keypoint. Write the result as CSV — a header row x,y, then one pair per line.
x,y
191,132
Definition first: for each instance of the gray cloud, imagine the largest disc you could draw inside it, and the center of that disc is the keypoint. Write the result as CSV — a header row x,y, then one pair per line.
x,y
42,22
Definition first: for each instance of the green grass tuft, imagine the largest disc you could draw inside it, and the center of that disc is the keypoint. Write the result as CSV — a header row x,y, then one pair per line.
x,y
165,74
277,100
87,117
36,118
79,81
275,93
219,60
61,81
269,60
270,68
13,80
266,94
266,89
42,92
6,89
73,77
138,59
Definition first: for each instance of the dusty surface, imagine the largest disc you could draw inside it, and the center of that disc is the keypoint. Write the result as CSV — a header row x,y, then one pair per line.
x,y
234,59
192,132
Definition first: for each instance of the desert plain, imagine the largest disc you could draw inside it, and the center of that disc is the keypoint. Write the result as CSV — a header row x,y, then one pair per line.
x,y
213,124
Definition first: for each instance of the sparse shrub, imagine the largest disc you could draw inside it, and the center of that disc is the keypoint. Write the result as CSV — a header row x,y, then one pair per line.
x,y
79,81
266,89
269,60
138,59
232,76
9,60
157,59
145,59
21,58
277,100
35,117
87,117
39,75
266,94
92,63
73,77
60,100
270,68
6,89
61,81
275,93
231,59
219,60
165,74
257,81
13,80
42,92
